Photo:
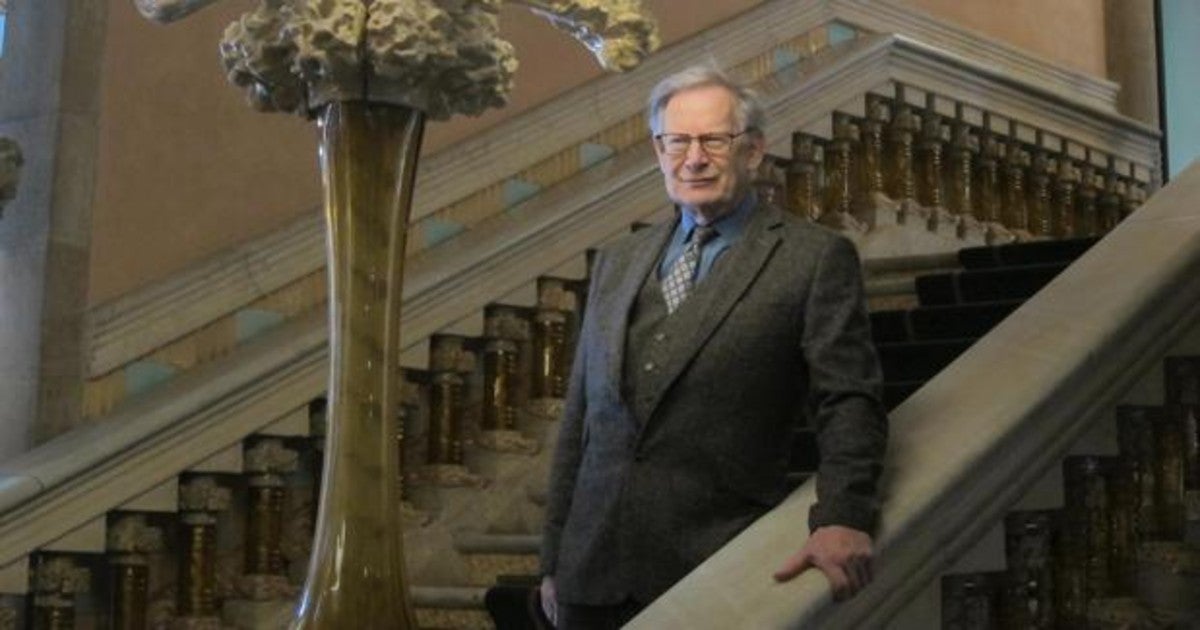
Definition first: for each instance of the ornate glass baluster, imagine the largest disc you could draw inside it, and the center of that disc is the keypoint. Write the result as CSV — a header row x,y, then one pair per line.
x,y
1123,515
803,173
989,197
57,582
971,601
931,190
1016,161
964,147
1039,188
130,540
1062,209
200,499
1087,220
504,329
1028,598
264,573
839,192
1110,199
873,206
901,180
1135,434
1086,479
448,365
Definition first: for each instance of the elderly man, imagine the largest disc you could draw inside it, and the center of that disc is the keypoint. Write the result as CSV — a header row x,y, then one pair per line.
x,y
706,340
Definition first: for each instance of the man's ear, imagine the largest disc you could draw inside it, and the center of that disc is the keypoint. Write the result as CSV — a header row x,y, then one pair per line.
x,y
757,148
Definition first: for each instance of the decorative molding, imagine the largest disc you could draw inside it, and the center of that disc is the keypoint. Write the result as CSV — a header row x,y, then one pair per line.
x,y
134,325
87,472
1067,355
894,16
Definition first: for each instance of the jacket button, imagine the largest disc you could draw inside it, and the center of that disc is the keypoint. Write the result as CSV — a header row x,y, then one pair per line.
x,y
649,367
660,336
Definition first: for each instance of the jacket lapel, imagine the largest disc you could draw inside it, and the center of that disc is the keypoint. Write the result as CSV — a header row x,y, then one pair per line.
x,y
633,270
718,294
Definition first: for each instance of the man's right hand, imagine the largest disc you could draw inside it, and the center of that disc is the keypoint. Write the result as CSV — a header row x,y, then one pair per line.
x,y
549,599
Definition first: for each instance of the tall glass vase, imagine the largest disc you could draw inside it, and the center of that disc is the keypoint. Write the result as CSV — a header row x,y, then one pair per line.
x,y
356,577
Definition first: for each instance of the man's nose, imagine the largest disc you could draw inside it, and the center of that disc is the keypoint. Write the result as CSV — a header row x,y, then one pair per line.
x,y
695,158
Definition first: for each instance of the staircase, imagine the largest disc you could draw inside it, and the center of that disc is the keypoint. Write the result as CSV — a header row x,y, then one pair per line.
x,y
189,501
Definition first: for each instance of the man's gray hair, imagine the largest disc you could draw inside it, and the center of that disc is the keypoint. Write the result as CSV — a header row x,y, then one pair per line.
x,y
748,110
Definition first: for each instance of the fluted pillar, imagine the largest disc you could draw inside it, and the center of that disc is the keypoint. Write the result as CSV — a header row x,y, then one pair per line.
x,y
1039,188
57,581
200,500
130,540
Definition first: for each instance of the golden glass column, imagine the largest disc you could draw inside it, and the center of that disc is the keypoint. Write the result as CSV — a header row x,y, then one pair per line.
x,y
130,540
370,72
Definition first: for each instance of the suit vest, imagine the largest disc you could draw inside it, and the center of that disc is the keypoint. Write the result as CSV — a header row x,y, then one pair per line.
x,y
651,341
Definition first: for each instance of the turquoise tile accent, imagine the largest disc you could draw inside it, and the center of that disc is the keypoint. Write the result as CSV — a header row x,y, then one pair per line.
x,y
785,57
518,190
839,33
591,153
145,374
436,230
251,322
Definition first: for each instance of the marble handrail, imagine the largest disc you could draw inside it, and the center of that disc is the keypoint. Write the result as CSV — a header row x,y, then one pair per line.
x,y
967,445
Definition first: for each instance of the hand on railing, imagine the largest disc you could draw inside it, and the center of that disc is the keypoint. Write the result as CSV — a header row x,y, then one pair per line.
x,y
843,554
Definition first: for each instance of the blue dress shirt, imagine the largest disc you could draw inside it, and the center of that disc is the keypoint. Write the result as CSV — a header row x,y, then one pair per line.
x,y
729,229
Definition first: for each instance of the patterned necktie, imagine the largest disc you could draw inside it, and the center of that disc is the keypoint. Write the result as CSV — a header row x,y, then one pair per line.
x,y
678,283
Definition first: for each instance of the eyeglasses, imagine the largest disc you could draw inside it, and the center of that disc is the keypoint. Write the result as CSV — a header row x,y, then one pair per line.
x,y
676,144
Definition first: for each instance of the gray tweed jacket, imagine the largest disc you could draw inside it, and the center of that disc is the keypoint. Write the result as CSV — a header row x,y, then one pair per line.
x,y
779,331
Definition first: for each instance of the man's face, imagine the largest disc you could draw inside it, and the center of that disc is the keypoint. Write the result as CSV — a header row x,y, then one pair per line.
x,y
708,182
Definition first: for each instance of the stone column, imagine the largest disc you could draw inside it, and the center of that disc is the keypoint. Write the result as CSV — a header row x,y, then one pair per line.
x,y
56,583
199,501
1131,57
130,540
49,103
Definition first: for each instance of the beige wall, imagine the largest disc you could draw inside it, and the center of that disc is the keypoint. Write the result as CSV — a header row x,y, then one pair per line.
x,y
186,169
1069,32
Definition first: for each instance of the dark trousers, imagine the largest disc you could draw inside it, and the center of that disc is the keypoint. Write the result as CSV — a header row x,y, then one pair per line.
x,y
610,617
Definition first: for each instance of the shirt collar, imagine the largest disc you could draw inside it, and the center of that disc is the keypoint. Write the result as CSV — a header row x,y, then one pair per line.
x,y
728,227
